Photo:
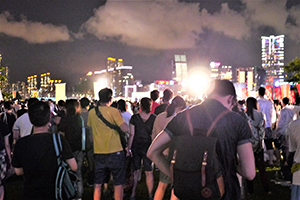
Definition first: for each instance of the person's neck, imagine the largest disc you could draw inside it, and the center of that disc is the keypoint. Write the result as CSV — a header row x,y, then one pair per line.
x,y
104,104
42,129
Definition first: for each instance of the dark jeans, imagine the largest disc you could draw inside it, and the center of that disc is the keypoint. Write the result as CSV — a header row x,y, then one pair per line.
x,y
259,162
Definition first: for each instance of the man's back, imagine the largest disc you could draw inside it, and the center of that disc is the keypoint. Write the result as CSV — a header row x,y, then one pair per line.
x,y
266,107
106,140
231,131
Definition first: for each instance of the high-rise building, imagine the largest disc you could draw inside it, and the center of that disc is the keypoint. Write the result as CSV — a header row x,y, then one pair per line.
x,y
32,84
5,73
245,75
116,76
219,71
273,58
180,65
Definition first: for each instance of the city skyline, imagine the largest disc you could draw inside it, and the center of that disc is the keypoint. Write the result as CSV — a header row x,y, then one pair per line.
x,y
71,38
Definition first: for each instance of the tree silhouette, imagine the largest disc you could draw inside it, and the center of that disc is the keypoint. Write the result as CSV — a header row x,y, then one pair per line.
x,y
293,71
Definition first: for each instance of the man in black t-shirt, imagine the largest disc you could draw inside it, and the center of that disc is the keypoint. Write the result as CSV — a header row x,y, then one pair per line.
x,y
232,131
35,157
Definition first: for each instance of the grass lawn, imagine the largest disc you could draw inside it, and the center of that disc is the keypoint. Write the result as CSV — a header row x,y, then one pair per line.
x,y
14,187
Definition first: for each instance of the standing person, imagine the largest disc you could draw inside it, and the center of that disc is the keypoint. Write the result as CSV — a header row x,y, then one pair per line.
x,y
5,154
22,126
281,141
178,104
89,148
257,122
108,150
71,127
141,125
266,107
35,157
294,146
122,107
8,118
167,97
232,132
154,95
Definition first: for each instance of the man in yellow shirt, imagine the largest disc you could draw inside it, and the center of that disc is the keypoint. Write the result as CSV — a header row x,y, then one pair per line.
x,y
108,150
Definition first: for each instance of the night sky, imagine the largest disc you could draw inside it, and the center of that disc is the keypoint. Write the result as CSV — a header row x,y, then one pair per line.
x,y
68,38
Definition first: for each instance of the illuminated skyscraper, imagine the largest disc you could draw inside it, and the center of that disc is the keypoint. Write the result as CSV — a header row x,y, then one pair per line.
x,y
219,71
117,76
181,73
245,75
4,72
273,58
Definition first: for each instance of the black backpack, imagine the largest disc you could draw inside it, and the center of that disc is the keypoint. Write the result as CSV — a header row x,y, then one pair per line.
x,y
196,169
66,180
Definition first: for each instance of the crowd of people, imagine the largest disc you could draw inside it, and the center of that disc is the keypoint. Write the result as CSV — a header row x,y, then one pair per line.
x,y
265,134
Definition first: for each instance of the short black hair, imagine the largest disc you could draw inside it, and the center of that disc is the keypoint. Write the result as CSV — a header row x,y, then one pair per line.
x,y
71,106
31,101
168,94
223,88
39,113
105,95
84,102
121,105
154,94
146,104
7,105
286,100
262,91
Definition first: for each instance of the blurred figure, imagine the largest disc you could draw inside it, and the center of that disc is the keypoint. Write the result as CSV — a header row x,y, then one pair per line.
x,y
22,126
178,104
281,141
141,126
71,127
257,122
5,155
294,147
122,107
8,118
85,104
168,95
154,95
266,107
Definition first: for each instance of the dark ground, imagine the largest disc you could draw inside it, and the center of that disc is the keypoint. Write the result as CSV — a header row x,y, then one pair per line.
x,y
279,192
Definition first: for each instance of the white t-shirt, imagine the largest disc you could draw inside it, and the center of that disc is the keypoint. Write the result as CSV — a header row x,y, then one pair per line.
x,y
294,145
24,125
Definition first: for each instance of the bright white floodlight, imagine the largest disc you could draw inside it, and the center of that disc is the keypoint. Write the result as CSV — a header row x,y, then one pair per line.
x,y
199,82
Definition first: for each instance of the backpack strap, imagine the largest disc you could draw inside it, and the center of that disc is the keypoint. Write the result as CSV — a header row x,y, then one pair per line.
x,y
204,161
57,147
83,134
216,120
112,126
189,121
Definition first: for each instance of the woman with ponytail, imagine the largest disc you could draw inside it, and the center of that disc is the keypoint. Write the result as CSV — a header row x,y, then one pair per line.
x,y
178,104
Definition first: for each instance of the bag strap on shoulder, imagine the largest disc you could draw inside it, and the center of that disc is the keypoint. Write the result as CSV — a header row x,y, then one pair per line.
x,y
57,146
112,126
83,134
107,123
189,121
